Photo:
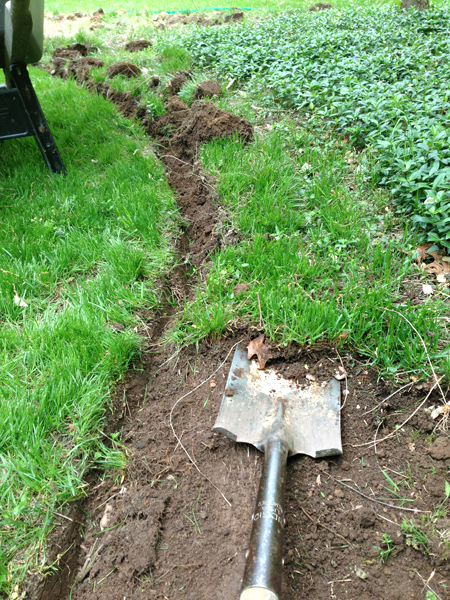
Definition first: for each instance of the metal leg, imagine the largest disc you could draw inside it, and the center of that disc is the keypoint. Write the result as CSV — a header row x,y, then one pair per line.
x,y
20,79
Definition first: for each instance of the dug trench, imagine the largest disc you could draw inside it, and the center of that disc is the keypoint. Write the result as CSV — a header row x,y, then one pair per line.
x,y
177,523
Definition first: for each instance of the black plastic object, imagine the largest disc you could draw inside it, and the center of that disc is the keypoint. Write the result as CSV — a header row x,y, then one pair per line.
x,y
21,116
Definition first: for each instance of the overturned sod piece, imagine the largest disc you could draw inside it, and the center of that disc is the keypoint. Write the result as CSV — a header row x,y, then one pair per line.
x,y
123,68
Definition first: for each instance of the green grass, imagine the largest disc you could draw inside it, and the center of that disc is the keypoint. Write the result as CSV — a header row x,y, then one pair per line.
x,y
68,6
377,74
320,247
81,251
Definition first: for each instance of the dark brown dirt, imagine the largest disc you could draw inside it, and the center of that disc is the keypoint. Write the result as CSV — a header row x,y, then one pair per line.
x,y
123,68
202,123
71,51
236,16
174,536
176,83
80,68
207,89
137,45
180,134
164,532
320,6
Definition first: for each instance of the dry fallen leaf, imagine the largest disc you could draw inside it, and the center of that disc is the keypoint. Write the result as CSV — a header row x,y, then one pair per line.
x,y
440,410
422,252
439,266
343,335
261,350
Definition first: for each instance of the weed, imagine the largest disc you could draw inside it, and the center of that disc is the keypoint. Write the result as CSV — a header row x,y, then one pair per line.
x,y
193,519
414,536
386,549
394,489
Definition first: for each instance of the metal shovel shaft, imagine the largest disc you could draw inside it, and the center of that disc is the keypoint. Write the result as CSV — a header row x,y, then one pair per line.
x,y
262,576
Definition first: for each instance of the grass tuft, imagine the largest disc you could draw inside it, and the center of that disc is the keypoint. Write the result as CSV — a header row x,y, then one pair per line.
x,y
81,252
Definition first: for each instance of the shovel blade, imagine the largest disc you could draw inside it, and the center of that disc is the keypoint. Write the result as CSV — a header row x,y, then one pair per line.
x,y
256,402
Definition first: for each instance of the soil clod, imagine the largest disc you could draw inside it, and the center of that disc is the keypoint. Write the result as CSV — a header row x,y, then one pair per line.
x,y
175,103
80,68
207,89
236,16
320,6
177,82
123,68
137,45
440,448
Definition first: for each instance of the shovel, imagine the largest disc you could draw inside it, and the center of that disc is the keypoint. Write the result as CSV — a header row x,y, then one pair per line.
x,y
280,418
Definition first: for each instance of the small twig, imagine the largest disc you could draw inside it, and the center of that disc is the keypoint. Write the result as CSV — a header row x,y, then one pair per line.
x,y
63,516
423,345
319,524
388,398
260,312
433,573
375,438
388,520
173,429
426,583
106,501
414,510
176,158
400,426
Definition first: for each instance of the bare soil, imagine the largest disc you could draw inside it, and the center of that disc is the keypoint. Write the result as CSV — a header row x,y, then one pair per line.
x,y
164,532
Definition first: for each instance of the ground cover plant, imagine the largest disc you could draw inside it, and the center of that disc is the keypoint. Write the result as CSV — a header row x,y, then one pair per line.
x,y
376,74
80,255
156,6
